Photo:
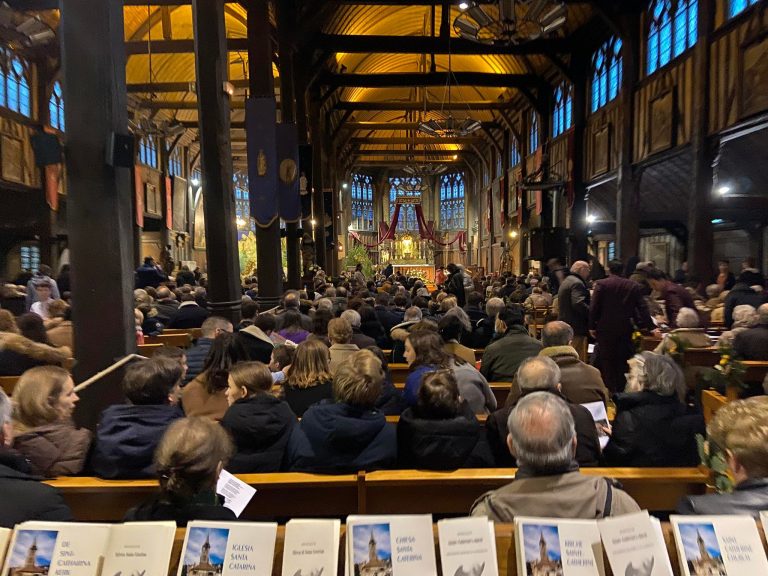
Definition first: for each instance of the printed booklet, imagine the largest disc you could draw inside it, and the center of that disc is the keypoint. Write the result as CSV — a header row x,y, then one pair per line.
x,y
467,547
390,546
719,546
634,544
311,548
558,547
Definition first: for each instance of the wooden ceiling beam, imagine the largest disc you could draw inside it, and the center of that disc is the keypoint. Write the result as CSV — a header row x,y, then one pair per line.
x,y
376,44
182,104
414,153
411,79
467,106
181,46
392,126
418,140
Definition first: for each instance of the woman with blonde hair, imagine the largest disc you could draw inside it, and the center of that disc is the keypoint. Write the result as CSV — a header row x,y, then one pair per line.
x,y
260,423
45,399
21,350
350,434
309,379
188,460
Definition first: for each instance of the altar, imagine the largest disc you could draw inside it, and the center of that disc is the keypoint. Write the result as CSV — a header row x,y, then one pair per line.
x,y
425,272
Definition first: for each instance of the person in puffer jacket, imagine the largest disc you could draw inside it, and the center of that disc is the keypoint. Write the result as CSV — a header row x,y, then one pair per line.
x,y
260,424
350,434
128,434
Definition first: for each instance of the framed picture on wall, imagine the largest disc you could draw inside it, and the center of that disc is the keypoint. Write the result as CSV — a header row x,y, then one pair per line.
x,y
601,149
658,252
661,122
152,203
12,159
753,75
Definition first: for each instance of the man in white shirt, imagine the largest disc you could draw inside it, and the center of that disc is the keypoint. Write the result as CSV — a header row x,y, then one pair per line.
x,y
44,300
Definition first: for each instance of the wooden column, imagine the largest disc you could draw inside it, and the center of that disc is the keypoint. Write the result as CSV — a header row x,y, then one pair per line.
x,y
261,85
212,70
577,248
700,233
99,196
627,199
318,204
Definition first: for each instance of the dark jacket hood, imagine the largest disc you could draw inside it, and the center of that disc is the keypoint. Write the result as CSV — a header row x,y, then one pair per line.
x,y
346,428
258,422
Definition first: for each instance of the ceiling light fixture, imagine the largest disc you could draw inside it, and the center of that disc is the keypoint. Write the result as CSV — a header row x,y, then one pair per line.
x,y
506,22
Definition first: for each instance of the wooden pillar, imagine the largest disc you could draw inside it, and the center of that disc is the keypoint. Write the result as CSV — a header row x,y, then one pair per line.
x,y
545,139
99,195
212,70
318,204
261,85
700,233
627,200
577,248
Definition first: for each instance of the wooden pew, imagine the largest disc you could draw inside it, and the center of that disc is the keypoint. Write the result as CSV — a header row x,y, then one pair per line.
x,y
183,340
148,350
420,491
756,371
399,373
194,333
8,383
711,402
395,419
501,390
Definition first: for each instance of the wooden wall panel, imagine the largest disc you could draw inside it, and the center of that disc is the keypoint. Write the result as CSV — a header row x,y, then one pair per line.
x,y
602,141
18,160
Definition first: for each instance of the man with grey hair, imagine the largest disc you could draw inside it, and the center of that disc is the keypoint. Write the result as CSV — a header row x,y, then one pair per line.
x,y
292,301
482,333
358,338
752,344
581,383
542,436
542,374
196,355
24,497
573,305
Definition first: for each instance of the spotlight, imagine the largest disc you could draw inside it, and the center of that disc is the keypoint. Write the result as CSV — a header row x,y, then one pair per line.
x,y
717,220
463,5
513,234
591,218
344,186
195,182
723,190
240,222
313,222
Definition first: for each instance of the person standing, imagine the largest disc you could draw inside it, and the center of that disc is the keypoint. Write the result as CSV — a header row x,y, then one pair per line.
x,y
573,301
675,297
617,307
359,279
455,284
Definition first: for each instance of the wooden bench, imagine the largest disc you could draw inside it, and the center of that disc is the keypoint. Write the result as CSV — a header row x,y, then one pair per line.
x,y
501,390
148,350
183,340
711,402
292,494
399,373
194,333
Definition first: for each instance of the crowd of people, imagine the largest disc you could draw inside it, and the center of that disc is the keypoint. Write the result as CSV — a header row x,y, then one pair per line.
x,y
307,387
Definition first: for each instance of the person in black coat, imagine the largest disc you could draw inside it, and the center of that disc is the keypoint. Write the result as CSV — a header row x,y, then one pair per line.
x,y
441,432
149,274
127,434
652,425
573,305
189,459
455,284
348,435
256,340
742,293
752,344
542,374
739,430
189,315
259,423
24,497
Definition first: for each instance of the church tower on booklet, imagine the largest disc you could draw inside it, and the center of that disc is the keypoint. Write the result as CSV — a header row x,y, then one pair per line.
x,y
30,567
544,566
705,564
204,566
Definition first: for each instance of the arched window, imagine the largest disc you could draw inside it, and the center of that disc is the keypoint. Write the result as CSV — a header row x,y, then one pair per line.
x,y
29,257
671,30
56,107
514,152
176,162
606,73
14,83
452,201
499,164
405,187
562,118
533,134
148,151
242,202
736,7
362,202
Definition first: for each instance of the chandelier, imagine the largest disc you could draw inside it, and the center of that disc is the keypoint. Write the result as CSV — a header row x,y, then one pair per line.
x,y
425,170
505,22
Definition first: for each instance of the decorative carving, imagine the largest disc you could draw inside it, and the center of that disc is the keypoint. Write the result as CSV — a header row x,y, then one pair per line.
x,y
261,163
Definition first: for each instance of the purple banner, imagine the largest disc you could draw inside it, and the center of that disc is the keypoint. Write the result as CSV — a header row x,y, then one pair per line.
x,y
288,200
261,135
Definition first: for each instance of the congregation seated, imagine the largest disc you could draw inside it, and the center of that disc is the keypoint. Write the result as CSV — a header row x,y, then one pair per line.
x,y
483,331
371,327
542,374
744,318
127,434
424,353
399,333
652,426
340,336
189,458
744,293
359,339
292,328
451,331
503,356
280,362
259,338
292,302
189,314
206,394
580,383
320,320
390,401
45,398
688,333
348,434
752,344
196,355
440,432
309,378
739,430
59,328
166,304
26,496
542,438
24,344
260,424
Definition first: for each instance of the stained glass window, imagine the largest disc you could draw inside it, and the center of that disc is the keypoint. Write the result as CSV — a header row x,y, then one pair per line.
x,y
14,83
533,134
562,118
56,107
606,73
176,162
452,216
499,164
409,187
672,30
148,151
30,258
362,202
736,7
514,152
242,202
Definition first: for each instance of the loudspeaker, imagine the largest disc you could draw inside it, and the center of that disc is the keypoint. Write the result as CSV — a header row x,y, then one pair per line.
x,y
120,150
548,243
47,149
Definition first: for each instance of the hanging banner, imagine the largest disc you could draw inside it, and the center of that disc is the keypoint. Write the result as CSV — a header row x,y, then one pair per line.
x,y
571,184
52,175
168,203
261,135
138,190
537,161
305,180
288,201
504,185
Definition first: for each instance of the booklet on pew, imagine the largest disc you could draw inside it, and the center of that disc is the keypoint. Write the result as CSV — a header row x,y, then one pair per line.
x,y
634,544
70,549
719,546
5,537
467,547
558,547
311,548
228,549
600,416
402,545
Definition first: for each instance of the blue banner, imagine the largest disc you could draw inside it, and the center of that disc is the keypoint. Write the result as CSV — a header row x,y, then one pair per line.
x,y
288,200
261,135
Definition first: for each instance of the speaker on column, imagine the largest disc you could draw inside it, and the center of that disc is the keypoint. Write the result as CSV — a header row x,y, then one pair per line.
x,y
120,150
